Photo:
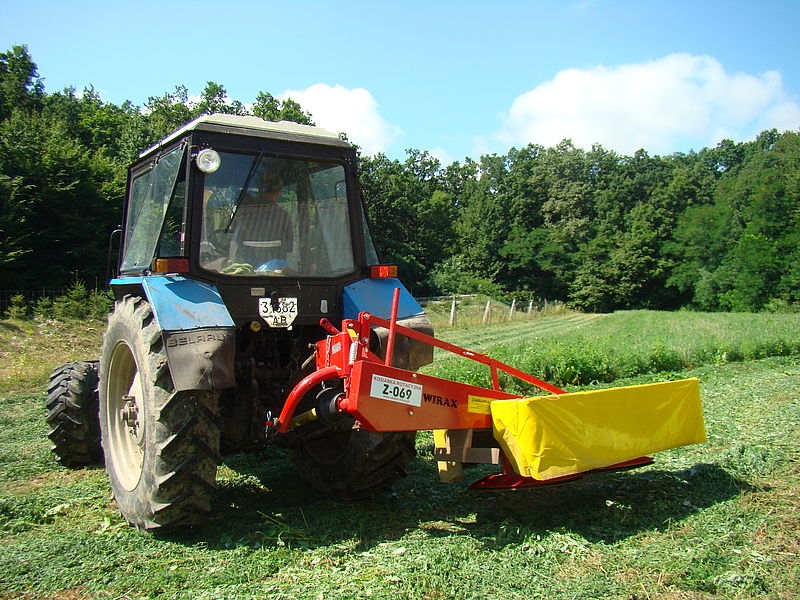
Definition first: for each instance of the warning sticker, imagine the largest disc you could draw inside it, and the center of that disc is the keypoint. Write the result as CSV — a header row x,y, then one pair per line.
x,y
479,405
396,390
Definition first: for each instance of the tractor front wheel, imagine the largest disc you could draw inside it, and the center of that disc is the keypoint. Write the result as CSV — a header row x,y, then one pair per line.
x,y
161,446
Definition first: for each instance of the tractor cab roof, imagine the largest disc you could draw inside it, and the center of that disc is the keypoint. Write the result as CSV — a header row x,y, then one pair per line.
x,y
253,126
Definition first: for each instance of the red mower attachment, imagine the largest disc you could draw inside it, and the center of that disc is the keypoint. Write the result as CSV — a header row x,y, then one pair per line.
x,y
544,440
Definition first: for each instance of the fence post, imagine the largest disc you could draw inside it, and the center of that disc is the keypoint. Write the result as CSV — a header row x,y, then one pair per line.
x,y
453,312
530,307
487,312
513,308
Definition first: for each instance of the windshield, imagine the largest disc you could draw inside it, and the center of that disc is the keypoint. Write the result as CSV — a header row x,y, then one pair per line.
x,y
273,216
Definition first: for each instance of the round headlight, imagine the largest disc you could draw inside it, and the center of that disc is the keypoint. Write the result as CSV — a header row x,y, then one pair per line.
x,y
208,160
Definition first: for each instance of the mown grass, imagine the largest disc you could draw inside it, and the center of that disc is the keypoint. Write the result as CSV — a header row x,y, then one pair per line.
x,y
718,520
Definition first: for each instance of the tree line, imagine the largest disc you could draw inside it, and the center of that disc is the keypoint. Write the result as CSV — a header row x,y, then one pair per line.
x,y
716,229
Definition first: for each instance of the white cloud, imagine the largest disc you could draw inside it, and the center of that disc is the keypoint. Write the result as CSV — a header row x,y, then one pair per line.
x,y
352,111
674,104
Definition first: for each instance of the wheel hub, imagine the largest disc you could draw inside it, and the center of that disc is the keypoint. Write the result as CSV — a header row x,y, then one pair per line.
x,y
130,415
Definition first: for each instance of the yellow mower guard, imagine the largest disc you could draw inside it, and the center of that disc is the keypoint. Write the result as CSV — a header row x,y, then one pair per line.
x,y
554,436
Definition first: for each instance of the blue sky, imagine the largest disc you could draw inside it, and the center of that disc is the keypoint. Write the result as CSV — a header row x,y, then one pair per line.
x,y
456,78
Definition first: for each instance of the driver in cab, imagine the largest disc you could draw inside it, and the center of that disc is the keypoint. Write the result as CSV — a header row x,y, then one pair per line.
x,y
262,229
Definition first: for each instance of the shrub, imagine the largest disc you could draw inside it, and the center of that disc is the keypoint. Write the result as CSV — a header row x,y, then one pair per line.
x,y
43,309
18,309
76,303
778,305
99,304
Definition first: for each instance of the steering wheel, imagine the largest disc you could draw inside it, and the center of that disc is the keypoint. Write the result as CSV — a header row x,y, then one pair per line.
x,y
276,265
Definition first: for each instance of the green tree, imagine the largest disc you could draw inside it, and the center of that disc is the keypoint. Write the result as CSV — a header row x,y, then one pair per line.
x,y
57,191
168,112
269,108
716,229
554,214
412,215
96,124
20,86
764,200
214,99
484,220
14,218
701,240
741,252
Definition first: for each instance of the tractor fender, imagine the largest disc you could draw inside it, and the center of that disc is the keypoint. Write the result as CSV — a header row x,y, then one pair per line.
x,y
196,328
375,297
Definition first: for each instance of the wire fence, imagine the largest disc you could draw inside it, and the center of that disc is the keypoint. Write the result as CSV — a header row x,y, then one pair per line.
x,y
471,309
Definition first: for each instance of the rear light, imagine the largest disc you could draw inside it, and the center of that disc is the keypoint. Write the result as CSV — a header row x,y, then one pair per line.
x,y
171,265
382,271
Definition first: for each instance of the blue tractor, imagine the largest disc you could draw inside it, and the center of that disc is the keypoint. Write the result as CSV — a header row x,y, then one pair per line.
x,y
241,238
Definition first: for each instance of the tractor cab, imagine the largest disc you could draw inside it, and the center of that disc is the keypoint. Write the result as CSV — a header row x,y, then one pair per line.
x,y
235,196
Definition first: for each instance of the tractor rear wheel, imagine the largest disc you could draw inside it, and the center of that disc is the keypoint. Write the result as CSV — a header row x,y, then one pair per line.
x,y
72,414
355,464
161,446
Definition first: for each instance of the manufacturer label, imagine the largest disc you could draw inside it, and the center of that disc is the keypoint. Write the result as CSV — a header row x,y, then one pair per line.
x,y
396,390
190,338
281,315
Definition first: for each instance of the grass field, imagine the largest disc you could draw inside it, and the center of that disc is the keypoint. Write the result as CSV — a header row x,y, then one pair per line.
x,y
719,520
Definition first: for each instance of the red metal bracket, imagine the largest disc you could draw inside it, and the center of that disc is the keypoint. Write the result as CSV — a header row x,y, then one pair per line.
x,y
368,320
441,404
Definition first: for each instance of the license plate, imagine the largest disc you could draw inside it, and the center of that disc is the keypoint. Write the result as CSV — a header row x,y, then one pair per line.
x,y
282,314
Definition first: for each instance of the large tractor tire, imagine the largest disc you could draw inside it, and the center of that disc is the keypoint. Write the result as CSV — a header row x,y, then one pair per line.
x,y
355,464
161,446
72,414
